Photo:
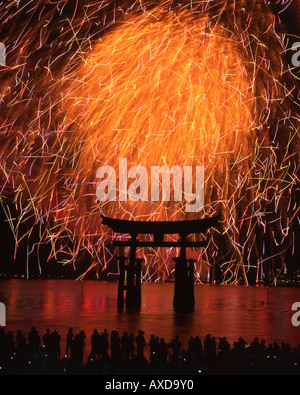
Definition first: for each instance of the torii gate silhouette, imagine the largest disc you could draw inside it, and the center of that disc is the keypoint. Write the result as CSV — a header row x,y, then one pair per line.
x,y
184,300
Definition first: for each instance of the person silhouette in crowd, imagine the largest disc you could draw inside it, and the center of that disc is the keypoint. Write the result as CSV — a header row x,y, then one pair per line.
x,y
131,344
140,343
125,345
176,347
153,345
104,344
69,341
55,344
163,350
47,339
115,344
34,341
96,344
78,347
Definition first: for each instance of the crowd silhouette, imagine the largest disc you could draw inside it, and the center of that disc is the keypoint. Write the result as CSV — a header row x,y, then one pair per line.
x,y
126,353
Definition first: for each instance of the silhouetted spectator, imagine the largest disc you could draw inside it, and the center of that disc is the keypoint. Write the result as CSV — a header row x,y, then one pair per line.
x,y
207,343
263,348
78,346
34,341
115,345
47,339
55,344
163,350
140,343
125,345
255,346
131,344
198,347
69,341
104,343
223,349
210,347
153,345
96,346
176,346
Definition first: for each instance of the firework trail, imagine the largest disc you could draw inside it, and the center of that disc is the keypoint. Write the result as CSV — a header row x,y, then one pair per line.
x,y
159,83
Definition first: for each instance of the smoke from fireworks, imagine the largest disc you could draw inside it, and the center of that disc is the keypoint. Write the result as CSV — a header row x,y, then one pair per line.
x,y
202,83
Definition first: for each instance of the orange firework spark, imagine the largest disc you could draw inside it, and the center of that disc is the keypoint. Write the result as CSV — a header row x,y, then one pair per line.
x,y
202,84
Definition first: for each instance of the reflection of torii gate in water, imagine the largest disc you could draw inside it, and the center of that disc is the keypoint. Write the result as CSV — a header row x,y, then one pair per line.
x,y
184,268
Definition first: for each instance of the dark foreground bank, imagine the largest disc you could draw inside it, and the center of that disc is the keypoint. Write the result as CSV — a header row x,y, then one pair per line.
x,y
128,354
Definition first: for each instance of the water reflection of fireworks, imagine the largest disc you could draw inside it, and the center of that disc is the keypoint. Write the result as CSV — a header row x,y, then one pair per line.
x,y
172,84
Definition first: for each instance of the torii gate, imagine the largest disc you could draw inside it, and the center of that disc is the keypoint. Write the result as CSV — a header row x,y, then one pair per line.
x,y
184,269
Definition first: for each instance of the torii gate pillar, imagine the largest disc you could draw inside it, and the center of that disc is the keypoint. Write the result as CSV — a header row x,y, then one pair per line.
x,y
131,275
184,300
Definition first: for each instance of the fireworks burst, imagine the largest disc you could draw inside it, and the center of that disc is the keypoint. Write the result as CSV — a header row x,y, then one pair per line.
x,y
197,83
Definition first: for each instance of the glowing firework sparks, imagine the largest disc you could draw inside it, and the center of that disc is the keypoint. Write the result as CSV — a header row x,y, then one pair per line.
x,y
170,84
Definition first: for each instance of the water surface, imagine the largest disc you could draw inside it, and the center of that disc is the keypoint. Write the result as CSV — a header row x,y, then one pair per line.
x,y
230,311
